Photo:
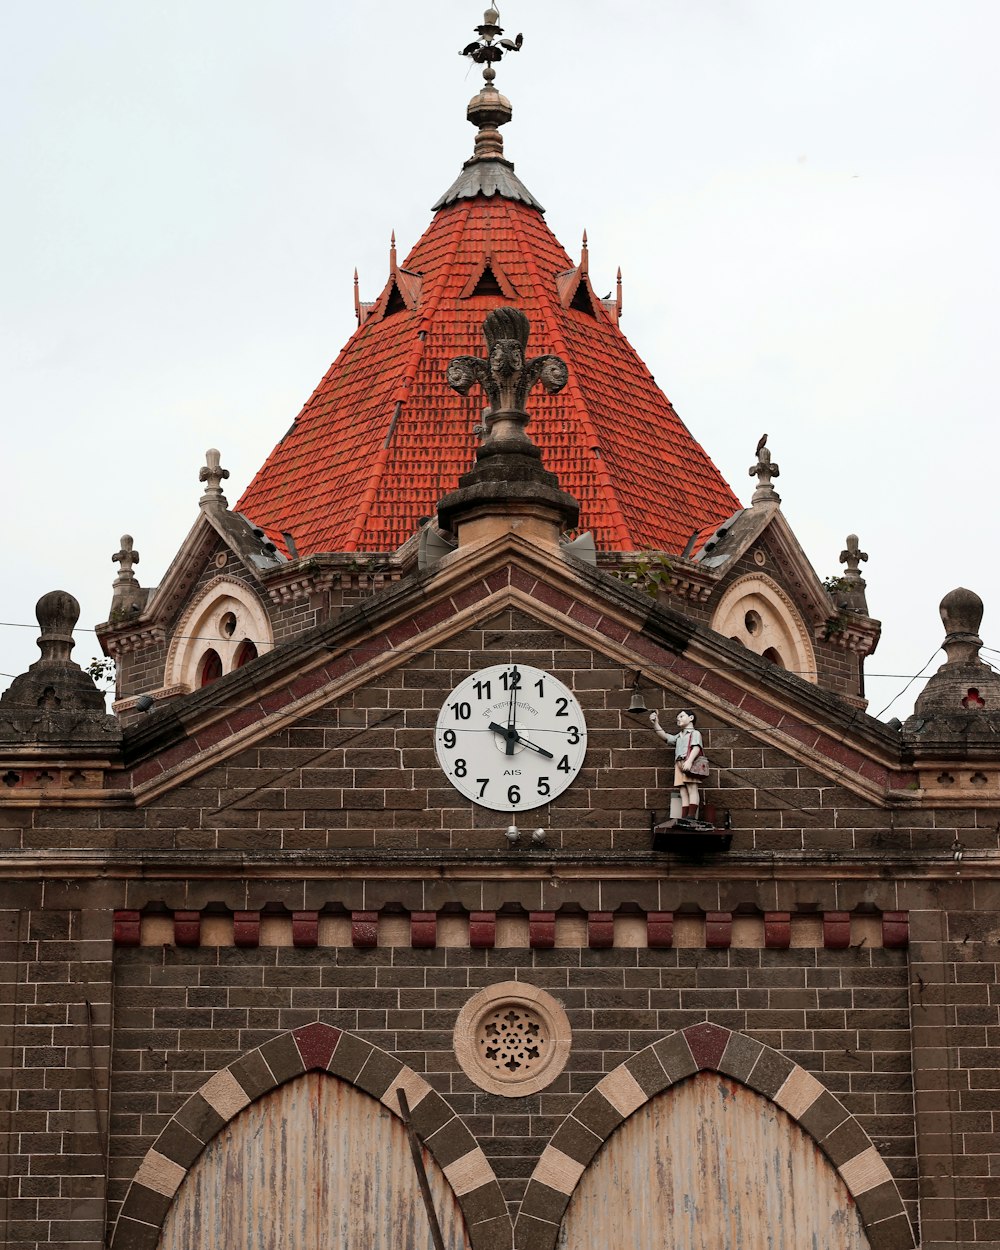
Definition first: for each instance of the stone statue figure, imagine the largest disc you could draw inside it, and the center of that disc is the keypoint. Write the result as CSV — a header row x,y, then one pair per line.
x,y
690,763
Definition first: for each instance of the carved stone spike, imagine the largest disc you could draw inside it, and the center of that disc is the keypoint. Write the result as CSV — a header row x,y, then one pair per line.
x,y
213,475
126,559
852,555
506,374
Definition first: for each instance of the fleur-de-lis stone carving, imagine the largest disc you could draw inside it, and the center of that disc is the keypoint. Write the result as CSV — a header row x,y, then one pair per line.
x,y
126,559
506,374
213,475
852,555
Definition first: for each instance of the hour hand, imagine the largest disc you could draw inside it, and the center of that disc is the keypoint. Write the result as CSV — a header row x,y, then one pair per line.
x,y
510,734
538,750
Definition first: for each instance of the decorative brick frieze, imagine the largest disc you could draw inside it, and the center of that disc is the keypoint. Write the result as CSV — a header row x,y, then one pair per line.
x,y
482,929
836,930
187,928
777,930
305,928
660,929
718,929
600,930
246,928
423,930
364,929
541,930
127,928
895,930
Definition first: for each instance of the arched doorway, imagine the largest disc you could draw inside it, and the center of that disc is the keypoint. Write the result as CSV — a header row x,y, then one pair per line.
x,y
317,1162
706,1164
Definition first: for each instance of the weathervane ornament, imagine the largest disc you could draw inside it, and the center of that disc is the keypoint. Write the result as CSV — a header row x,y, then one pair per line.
x,y
507,375
488,48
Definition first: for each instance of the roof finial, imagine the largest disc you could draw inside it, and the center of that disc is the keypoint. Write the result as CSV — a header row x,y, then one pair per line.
x,y
488,172
764,471
392,252
357,298
618,302
213,475
506,374
852,582
484,51
584,254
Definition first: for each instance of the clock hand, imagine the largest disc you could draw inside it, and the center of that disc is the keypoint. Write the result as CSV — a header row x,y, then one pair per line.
x,y
513,737
512,710
531,747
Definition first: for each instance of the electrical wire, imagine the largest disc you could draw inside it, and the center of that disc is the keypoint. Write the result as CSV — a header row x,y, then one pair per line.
x,y
909,683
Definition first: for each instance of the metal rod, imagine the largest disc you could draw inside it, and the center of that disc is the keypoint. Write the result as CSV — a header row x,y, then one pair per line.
x,y
418,1163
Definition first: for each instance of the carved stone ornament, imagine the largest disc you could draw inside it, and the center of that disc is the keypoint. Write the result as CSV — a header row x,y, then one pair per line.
x,y
506,374
765,472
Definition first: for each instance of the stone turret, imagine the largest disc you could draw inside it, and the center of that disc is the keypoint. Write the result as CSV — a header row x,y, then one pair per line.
x,y
960,705
55,702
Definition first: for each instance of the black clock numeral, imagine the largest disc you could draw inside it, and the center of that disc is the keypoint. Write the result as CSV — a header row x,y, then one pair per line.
x,y
513,795
449,738
482,689
561,706
460,768
540,687
463,711
511,680
563,764
543,786
482,783
574,735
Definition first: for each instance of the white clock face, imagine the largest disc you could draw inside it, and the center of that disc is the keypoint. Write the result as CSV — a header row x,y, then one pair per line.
x,y
510,737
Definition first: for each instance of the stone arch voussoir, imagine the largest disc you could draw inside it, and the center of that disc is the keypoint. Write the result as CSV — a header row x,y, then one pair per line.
x,y
312,1048
711,1048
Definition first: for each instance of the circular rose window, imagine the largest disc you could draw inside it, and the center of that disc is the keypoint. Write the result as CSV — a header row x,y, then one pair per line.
x,y
512,1039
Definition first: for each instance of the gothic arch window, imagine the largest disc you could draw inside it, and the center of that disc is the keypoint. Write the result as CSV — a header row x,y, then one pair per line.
x,y
210,668
224,628
758,613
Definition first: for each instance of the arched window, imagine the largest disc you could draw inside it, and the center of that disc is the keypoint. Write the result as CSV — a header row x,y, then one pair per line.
x,y
223,629
246,652
756,612
210,668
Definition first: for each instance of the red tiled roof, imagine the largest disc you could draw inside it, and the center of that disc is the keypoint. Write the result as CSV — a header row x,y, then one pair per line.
x,y
383,437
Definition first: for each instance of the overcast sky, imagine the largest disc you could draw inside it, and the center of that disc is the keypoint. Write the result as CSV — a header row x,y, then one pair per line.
x,y
803,198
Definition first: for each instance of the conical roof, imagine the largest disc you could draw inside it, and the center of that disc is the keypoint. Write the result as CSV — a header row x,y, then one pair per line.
x,y
383,438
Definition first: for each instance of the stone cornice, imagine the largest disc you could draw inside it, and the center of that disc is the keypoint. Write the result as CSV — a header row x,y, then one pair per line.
x,y
540,865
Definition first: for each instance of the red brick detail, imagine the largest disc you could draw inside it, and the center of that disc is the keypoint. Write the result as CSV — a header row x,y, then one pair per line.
x,y
128,928
836,930
246,928
895,929
718,929
660,929
482,929
707,1042
316,1044
364,929
423,929
187,928
212,735
541,930
600,930
305,928
777,930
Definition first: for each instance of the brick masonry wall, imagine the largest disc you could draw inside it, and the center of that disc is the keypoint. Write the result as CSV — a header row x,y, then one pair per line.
x,y
55,1010
182,1014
